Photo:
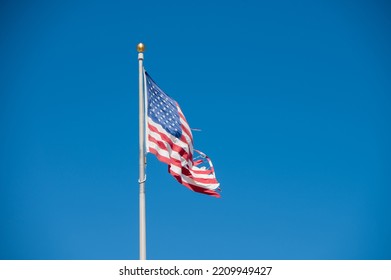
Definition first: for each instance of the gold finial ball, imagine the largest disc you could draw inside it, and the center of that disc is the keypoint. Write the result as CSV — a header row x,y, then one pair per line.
x,y
140,47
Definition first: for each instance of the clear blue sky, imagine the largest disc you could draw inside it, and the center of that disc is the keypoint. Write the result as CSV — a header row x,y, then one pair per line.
x,y
293,99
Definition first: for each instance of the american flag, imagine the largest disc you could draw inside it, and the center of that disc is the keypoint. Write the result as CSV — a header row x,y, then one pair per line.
x,y
169,137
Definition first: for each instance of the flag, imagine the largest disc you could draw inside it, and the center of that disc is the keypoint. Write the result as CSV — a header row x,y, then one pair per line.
x,y
170,139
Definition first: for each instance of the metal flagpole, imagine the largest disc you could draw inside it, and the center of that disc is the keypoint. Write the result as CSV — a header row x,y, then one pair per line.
x,y
142,158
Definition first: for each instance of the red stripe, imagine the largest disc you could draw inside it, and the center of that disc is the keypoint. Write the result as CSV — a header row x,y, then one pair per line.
x,y
195,188
163,145
160,157
179,178
205,172
185,171
184,128
168,160
166,139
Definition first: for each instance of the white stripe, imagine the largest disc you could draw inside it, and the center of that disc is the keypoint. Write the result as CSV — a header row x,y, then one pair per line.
x,y
157,138
169,153
174,141
196,183
178,170
188,147
185,164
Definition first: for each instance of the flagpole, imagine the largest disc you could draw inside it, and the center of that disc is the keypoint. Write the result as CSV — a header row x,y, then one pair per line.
x,y
142,158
